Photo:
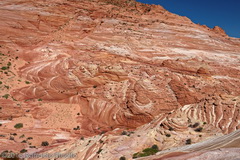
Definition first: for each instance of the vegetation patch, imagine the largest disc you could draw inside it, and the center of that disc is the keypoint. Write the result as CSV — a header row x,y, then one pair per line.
x,y
45,143
199,129
168,135
188,141
23,151
18,125
27,82
4,68
99,151
122,158
194,125
147,152
6,96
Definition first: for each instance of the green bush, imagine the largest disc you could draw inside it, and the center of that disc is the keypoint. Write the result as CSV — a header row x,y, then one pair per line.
x,y
146,152
27,82
4,68
18,125
168,135
6,96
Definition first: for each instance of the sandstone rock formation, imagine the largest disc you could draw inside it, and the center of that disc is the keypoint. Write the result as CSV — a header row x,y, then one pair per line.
x,y
93,69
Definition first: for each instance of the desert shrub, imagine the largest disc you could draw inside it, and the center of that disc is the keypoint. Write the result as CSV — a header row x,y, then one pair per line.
x,y
6,96
18,125
168,135
195,125
45,143
23,151
22,136
170,129
122,158
27,82
188,141
155,147
124,133
6,86
77,128
32,146
99,151
4,68
199,129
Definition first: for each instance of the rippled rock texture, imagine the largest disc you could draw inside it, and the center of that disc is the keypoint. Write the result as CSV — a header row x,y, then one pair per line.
x,y
93,69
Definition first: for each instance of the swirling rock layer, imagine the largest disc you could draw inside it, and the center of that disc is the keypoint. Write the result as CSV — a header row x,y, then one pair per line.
x,y
83,68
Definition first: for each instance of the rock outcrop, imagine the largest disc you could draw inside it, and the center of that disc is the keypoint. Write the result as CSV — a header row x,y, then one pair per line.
x,y
93,69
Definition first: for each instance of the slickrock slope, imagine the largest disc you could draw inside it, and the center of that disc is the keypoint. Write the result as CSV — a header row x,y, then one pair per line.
x,y
82,75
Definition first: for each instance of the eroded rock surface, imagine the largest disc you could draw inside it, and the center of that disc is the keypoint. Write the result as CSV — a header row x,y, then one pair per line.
x,y
97,68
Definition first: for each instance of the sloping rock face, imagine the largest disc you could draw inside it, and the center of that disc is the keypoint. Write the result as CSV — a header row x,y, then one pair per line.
x,y
74,68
